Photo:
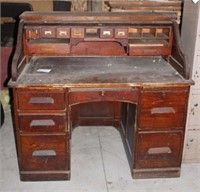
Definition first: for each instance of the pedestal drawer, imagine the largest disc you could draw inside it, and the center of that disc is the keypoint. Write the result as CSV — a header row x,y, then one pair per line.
x,y
44,152
41,99
159,149
42,123
163,109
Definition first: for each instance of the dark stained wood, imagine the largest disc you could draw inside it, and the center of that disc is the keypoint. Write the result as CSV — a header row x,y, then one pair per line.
x,y
163,109
92,17
99,71
124,70
172,8
42,123
154,154
44,152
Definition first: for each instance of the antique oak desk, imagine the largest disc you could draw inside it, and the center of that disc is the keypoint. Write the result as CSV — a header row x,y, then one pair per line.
x,y
125,70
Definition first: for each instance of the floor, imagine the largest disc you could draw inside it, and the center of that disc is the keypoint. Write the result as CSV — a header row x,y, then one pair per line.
x,y
98,162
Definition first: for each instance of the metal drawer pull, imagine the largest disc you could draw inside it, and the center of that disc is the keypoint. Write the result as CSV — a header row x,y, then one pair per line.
x,y
42,122
106,33
77,33
41,100
158,110
159,150
62,33
48,32
41,153
120,33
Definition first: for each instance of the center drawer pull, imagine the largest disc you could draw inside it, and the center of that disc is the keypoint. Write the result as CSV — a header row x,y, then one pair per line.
x,y
42,122
159,150
158,110
41,100
42,153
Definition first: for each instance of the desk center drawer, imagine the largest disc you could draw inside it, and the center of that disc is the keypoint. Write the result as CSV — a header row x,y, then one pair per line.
x,y
91,95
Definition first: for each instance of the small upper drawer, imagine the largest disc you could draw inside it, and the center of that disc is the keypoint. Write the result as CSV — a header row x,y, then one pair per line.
x,y
48,32
77,32
106,33
121,33
41,99
163,109
63,32
42,122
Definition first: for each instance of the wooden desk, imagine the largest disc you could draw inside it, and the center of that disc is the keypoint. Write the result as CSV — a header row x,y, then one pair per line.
x,y
140,82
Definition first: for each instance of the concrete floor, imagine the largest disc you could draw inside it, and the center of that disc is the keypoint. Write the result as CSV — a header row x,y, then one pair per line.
x,y
99,164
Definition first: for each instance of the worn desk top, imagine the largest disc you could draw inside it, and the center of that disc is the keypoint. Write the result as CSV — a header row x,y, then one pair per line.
x,y
98,72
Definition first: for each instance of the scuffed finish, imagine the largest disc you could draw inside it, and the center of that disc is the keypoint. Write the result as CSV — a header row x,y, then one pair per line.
x,y
77,71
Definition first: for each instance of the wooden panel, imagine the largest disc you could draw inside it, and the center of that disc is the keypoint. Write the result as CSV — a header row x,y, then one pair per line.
x,y
149,50
48,48
172,8
96,113
163,109
41,99
98,48
44,152
159,149
42,123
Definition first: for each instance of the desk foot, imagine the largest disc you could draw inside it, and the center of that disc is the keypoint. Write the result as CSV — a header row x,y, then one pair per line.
x,y
156,173
44,175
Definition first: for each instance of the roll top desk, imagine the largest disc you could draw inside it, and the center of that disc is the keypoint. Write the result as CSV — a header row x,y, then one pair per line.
x,y
125,70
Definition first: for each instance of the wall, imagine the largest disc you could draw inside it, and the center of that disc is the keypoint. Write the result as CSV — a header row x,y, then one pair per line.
x,y
190,35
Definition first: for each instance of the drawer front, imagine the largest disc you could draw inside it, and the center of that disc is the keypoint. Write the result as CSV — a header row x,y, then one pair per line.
x,y
157,150
106,33
44,152
41,100
63,32
163,109
77,32
48,48
102,95
41,123
121,33
48,32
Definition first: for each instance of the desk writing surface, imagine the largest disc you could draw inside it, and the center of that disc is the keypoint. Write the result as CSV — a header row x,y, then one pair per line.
x,y
100,71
